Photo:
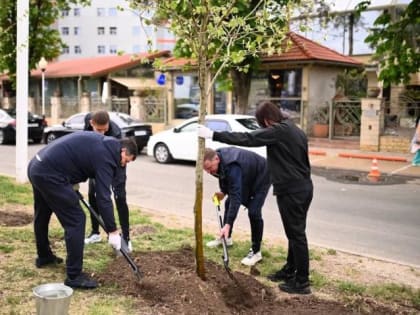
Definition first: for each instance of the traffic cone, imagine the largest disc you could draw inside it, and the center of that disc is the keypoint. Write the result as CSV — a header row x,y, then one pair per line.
x,y
374,170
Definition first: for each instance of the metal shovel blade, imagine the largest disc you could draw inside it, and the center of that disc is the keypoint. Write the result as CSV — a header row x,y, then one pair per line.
x,y
123,250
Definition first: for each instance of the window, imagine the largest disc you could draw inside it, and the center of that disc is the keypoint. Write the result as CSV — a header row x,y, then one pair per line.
x,y
76,11
100,11
101,30
64,12
113,49
65,30
136,30
77,49
112,11
113,30
65,50
101,49
218,125
76,30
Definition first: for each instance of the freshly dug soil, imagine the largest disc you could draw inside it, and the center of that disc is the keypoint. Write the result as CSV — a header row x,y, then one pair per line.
x,y
170,285
14,218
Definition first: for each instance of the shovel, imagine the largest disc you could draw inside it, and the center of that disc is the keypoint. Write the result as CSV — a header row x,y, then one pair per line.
x,y
225,251
123,249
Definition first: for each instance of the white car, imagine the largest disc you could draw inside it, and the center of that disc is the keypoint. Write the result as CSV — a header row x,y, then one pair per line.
x,y
181,142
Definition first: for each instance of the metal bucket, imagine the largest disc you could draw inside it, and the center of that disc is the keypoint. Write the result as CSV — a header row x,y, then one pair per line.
x,y
52,299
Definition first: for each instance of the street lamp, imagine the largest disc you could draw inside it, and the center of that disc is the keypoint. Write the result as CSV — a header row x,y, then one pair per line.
x,y
42,65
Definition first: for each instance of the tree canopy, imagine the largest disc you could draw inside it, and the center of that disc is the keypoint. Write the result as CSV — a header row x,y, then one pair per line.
x,y
396,41
44,40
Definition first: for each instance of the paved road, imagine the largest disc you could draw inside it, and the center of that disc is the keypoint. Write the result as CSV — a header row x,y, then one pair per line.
x,y
377,221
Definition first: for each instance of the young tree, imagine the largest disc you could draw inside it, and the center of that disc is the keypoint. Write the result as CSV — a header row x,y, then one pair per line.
x,y
395,39
44,41
221,36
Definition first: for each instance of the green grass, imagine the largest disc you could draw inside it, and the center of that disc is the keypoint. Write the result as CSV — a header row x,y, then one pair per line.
x,y
19,276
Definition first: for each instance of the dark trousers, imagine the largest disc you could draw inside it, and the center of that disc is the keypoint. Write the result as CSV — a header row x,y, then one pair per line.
x,y
53,193
256,221
293,211
122,209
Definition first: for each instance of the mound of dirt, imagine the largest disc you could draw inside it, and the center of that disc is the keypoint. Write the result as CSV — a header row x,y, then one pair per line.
x,y
170,285
14,218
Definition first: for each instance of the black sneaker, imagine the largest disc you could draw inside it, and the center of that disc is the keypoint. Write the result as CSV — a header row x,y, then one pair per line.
x,y
295,287
284,274
82,281
46,261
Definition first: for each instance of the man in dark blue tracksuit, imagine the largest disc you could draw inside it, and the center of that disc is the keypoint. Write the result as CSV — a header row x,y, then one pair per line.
x,y
53,172
99,121
243,176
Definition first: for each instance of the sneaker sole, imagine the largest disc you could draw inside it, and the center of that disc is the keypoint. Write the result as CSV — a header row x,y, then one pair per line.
x,y
250,265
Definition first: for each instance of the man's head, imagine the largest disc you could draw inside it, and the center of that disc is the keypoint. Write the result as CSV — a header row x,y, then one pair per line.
x,y
211,161
268,114
128,151
100,121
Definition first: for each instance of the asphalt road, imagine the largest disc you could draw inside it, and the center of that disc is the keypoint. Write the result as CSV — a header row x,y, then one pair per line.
x,y
378,221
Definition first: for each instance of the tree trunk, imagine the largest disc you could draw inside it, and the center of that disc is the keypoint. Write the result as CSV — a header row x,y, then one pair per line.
x,y
241,87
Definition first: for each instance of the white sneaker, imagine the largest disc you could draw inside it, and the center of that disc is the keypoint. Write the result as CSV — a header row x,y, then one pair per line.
x,y
93,238
218,242
251,259
129,248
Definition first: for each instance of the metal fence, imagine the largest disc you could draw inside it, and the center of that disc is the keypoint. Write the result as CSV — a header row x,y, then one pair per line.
x,y
155,109
346,118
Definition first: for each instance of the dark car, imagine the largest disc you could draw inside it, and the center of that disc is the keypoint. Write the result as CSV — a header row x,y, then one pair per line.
x,y
36,125
130,128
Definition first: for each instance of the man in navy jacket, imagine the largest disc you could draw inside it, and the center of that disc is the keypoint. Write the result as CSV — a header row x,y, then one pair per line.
x,y
99,121
53,172
243,177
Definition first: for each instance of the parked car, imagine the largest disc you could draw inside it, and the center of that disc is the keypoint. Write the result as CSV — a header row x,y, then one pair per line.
x,y
130,128
181,142
36,125
186,110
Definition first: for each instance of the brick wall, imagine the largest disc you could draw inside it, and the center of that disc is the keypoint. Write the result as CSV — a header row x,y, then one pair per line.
x,y
394,144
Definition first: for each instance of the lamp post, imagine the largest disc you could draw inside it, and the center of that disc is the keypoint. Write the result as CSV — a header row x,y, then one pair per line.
x,y
42,64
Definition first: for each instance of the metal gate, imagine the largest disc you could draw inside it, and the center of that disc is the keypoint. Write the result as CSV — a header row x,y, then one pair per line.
x,y
346,120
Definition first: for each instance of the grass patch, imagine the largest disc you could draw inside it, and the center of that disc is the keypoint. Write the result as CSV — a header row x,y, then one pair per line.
x,y
351,288
12,192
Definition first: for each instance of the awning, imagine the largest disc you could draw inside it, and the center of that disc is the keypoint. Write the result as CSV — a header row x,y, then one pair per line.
x,y
137,83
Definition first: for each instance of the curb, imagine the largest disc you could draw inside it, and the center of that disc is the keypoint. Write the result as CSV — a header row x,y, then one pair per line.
x,y
317,152
373,156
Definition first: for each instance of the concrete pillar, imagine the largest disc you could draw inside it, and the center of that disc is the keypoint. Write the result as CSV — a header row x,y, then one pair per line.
x,y
372,124
6,103
84,103
137,108
55,109
229,102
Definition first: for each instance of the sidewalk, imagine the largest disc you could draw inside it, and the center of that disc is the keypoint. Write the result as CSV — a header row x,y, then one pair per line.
x,y
343,155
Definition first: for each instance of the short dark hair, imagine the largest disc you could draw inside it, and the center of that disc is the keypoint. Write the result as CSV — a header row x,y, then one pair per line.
x,y
209,154
268,111
130,147
100,117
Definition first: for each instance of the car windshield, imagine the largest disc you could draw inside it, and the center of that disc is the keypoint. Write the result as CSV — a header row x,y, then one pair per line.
x,y
123,120
249,123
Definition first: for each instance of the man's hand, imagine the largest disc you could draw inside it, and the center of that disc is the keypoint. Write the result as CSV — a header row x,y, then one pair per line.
x,y
224,232
114,239
219,195
204,132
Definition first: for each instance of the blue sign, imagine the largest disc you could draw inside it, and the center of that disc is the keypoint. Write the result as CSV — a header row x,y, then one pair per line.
x,y
161,80
179,80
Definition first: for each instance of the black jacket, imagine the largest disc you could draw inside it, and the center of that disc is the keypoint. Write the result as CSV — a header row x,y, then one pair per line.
x,y
287,154
84,155
241,174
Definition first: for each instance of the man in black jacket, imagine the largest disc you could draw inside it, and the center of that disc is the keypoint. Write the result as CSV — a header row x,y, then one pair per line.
x,y
243,177
100,122
290,171
53,172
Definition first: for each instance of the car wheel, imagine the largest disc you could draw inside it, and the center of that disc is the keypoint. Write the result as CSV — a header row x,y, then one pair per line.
x,y
50,137
2,139
162,154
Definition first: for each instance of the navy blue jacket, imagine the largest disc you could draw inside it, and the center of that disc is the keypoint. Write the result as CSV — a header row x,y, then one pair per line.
x,y
84,155
241,174
287,154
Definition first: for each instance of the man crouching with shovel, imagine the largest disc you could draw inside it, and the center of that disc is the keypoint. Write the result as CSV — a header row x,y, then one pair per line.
x,y
243,176
53,172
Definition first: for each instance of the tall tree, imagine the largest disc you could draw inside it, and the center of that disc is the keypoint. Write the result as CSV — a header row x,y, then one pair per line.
x,y
44,40
221,36
396,41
